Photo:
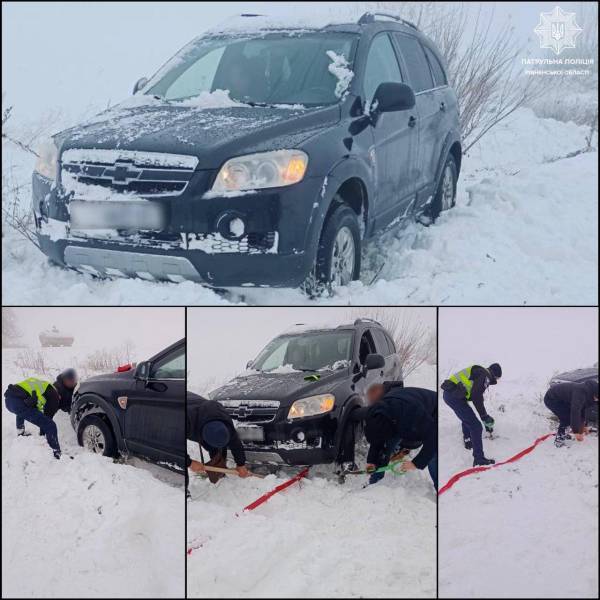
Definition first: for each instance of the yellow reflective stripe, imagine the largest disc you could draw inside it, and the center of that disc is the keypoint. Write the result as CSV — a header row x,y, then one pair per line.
x,y
33,385
462,377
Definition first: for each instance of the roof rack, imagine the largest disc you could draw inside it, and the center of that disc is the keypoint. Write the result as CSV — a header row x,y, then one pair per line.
x,y
366,320
370,17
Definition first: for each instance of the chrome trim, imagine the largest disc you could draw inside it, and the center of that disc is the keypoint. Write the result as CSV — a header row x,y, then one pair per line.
x,y
139,158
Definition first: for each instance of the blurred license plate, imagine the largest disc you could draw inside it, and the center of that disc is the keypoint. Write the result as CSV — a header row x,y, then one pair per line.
x,y
98,214
251,434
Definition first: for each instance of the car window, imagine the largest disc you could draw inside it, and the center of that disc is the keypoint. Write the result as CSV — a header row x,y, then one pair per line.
x,y
391,344
197,78
382,66
170,367
439,76
419,73
367,346
381,342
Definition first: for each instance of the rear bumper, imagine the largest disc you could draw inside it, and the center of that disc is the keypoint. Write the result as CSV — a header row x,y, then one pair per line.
x,y
277,249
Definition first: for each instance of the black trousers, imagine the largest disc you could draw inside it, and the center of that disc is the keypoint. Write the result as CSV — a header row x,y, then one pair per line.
x,y
560,409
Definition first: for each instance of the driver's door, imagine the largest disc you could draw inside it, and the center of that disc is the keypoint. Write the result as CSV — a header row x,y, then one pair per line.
x,y
395,136
365,347
155,411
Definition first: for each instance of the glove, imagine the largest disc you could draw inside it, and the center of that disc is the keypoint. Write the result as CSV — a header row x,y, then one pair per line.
x,y
488,423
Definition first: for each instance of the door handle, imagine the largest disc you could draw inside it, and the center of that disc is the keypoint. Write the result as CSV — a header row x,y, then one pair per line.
x,y
412,121
442,106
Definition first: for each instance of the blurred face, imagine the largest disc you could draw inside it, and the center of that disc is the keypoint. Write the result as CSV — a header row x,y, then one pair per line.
x,y
70,382
375,393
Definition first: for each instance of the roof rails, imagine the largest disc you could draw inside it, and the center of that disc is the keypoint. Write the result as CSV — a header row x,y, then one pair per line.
x,y
370,17
367,320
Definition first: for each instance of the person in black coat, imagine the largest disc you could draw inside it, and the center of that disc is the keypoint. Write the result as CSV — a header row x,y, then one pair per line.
x,y
569,402
209,424
65,386
397,417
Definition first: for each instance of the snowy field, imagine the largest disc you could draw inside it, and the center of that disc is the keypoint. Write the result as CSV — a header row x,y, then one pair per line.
x,y
524,231
315,539
89,526
528,529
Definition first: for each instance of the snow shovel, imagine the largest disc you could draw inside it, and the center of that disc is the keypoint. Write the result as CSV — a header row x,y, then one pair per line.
x,y
392,467
226,471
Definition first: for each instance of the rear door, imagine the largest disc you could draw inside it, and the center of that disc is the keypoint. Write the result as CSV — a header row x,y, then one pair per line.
x,y
420,78
155,412
394,133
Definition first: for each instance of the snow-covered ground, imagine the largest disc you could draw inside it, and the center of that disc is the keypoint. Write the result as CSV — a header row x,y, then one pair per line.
x,y
86,527
528,529
524,231
315,539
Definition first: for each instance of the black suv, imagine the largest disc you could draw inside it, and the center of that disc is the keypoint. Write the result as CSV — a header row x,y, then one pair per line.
x,y
136,411
295,403
257,156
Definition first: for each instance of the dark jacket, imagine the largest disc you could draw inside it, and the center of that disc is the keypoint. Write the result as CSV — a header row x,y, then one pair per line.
x,y
481,379
578,396
413,416
51,395
65,393
201,412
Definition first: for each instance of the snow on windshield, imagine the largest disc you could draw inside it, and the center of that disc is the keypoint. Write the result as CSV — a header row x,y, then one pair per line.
x,y
340,68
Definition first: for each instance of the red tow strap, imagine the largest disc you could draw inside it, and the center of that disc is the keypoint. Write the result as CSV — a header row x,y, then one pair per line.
x,y
514,458
286,484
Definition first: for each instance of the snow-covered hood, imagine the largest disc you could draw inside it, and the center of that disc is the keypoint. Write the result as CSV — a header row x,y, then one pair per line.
x,y
285,387
211,134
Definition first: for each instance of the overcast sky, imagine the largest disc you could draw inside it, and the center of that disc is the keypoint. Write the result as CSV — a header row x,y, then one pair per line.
x,y
150,329
79,56
523,340
222,340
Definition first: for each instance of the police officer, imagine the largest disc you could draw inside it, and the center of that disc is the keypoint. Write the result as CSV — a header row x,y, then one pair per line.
x,y
465,389
570,402
35,400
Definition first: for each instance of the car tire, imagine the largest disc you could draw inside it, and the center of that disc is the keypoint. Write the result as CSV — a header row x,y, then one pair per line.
x,y
347,451
445,196
338,254
95,435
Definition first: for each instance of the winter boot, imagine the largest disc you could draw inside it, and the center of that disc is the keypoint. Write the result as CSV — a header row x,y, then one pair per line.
x,y
22,433
468,443
56,454
483,461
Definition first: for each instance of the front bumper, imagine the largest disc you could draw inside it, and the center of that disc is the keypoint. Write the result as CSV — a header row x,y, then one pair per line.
x,y
278,247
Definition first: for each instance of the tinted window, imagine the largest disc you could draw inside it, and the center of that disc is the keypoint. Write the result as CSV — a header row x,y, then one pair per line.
x,y
170,367
439,76
381,342
382,66
419,74
367,346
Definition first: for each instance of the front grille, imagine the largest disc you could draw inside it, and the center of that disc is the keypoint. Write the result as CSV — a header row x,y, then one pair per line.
x,y
147,174
251,411
251,243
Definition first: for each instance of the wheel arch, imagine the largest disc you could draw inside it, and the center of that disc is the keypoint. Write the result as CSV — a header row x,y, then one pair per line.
x,y
92,404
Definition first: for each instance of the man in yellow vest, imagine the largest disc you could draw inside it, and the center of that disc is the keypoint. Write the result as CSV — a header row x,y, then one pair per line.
x,y
465,389
34,400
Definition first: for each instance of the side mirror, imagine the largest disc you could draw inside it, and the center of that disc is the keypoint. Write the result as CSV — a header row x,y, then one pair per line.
x,y
374,361
139,84
142,371
392,97
249,364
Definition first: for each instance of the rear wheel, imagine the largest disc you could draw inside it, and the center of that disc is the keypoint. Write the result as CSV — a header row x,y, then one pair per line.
x,y
95,435
338,254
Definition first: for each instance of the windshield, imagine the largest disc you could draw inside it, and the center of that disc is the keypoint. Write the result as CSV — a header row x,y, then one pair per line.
x,y
307,69
318,351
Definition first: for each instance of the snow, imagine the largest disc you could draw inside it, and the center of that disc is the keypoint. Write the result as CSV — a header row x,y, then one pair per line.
x,y
327,539
339,68
528,529
524,231
90,527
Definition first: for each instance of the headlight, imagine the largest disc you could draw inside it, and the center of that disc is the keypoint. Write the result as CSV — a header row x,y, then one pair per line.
x,y
47,161
314,405
259,171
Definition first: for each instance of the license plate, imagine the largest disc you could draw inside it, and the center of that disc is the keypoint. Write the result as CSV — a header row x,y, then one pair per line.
x,y
97,214
251,434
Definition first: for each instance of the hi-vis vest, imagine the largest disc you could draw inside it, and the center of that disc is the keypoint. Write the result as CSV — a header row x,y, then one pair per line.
x,y
463,377
35,388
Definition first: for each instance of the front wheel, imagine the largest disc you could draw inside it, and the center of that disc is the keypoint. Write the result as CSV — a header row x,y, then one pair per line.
x,y
96,436
338,255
